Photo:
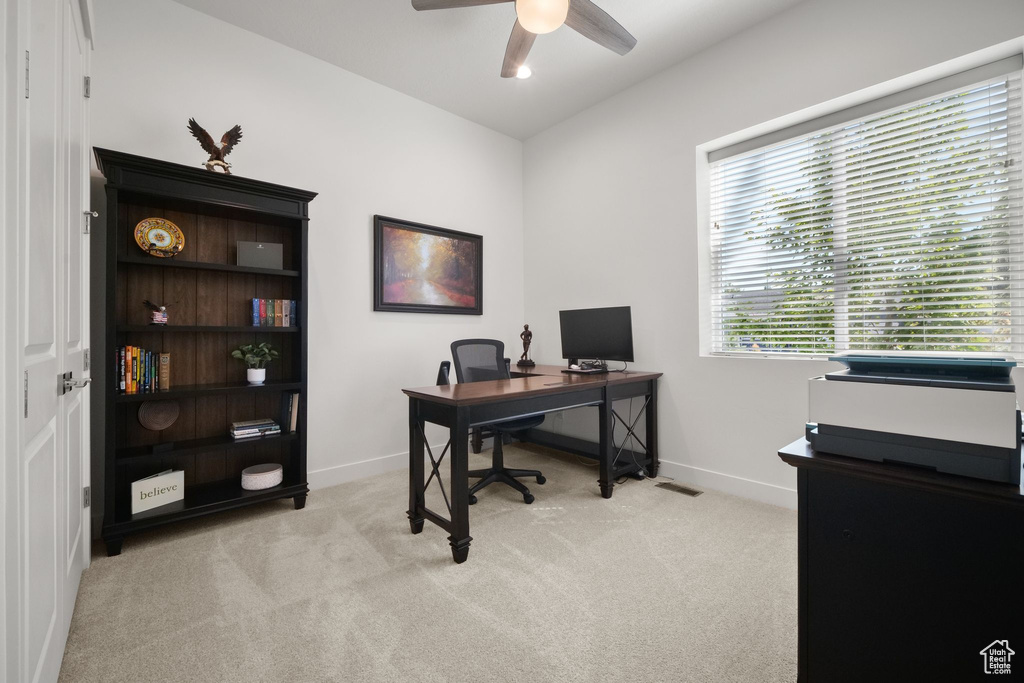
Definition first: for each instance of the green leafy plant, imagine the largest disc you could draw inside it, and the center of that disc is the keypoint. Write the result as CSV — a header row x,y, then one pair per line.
x,y
255,355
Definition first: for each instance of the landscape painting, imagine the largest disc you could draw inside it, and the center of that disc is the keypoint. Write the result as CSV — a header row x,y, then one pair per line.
x,y
423,269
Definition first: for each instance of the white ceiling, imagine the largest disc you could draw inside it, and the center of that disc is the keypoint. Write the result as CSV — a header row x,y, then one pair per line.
x,y
452,58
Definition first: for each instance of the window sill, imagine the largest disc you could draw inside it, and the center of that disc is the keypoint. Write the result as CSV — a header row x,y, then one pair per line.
x,y
767,356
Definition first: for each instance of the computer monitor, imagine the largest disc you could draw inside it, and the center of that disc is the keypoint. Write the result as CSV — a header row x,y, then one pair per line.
x,y
597,333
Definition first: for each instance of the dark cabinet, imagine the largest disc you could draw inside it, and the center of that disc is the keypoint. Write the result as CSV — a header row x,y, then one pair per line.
x,y
905,575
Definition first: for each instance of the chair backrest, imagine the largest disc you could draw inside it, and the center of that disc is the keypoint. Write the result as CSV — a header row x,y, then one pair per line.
x,y
479,360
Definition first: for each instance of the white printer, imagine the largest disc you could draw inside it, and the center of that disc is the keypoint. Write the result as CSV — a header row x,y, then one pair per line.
x,y
953,415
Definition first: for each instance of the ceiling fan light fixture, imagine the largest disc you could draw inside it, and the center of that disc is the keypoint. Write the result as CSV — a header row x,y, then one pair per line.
x,y
542,16
524,72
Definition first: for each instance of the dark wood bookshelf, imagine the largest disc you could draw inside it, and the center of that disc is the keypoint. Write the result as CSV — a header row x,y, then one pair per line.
x,y
210,313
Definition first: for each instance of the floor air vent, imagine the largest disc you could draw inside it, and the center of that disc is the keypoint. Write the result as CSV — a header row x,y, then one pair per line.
x,y
679,488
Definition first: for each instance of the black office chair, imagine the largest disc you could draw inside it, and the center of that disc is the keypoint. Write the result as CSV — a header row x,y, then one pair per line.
x,y
480,360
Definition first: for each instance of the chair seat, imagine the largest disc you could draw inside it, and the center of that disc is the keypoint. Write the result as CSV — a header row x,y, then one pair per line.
x,y
517,425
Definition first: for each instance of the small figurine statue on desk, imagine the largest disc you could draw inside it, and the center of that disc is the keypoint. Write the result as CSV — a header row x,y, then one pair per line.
x,y
527,337
158,313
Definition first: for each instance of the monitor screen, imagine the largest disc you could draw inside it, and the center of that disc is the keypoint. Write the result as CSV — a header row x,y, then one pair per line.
x,y
597,333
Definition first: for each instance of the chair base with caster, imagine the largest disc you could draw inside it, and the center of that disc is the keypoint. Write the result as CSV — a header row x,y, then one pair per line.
x,y
499,474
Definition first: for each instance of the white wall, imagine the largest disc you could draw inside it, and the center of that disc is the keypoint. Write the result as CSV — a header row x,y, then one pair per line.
x,y
615,185
367,150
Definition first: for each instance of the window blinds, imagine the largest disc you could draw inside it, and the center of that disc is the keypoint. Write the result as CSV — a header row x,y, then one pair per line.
x,y
901,230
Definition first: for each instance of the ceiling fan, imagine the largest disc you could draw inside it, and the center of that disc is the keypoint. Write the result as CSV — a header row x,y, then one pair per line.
x,y
535,17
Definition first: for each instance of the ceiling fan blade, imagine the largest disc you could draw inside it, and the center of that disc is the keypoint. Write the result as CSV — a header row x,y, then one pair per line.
x,y
519,44
593,22
452,4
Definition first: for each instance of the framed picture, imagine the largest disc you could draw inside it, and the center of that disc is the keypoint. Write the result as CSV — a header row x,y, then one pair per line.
x,y
423,269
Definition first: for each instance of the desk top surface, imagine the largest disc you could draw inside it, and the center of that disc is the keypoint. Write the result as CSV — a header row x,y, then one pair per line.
x,y
800,454
539,382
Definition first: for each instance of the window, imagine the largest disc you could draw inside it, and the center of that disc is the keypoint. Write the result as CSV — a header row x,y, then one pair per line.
x,y
894,226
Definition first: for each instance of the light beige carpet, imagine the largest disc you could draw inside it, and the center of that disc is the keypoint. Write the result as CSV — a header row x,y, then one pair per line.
x,y
648,586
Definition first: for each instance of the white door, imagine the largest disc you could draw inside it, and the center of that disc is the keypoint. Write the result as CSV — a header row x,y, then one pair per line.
x,y
75,306
51,541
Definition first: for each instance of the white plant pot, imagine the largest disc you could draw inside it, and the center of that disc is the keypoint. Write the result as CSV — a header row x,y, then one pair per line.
x,y
256,375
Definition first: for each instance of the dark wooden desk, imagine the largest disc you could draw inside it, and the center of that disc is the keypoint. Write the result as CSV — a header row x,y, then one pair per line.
x,y
904,574
460,407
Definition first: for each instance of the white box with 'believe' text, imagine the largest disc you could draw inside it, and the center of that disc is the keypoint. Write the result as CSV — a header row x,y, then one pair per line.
x,y
157,490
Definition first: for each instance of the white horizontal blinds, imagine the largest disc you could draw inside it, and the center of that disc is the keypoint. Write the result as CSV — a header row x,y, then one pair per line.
x,y
900,231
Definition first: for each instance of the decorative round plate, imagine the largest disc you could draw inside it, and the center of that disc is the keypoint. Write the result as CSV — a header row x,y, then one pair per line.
x,y
158,415
159,237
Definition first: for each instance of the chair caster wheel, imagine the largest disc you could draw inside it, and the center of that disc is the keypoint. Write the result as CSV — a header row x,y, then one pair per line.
x,y
472,500
541,480
528,498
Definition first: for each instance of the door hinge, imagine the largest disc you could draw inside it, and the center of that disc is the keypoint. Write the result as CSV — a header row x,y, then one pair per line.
x,y
85,359
86,496
88,86
26,74
26,393
89,215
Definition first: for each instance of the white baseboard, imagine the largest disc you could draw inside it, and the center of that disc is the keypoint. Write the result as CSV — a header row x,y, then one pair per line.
x,y
353,471
727,483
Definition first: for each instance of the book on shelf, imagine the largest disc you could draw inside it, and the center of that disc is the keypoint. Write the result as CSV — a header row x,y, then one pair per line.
x,y
245,424
290,411
250,433
263,312
119,365
286,314
140,371
256,312
165,371
278,313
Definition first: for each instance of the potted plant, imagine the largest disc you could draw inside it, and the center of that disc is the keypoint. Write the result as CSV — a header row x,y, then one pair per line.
x,y
256,357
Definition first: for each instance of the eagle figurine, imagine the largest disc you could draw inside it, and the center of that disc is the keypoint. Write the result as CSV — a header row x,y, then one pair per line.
x,y
217,154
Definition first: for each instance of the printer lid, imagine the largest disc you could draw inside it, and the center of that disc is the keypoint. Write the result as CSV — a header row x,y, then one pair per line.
x,y
979,372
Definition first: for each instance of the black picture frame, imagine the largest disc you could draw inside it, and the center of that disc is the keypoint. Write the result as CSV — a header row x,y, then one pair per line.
x,y
380,265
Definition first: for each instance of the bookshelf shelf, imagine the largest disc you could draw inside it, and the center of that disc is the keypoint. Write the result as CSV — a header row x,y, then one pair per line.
x,y
161,329
191,390
202,499
202,265
210,303
196,446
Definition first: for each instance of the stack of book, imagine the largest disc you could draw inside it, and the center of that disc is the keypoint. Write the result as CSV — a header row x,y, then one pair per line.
x,y
254,429
138,371
274,313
